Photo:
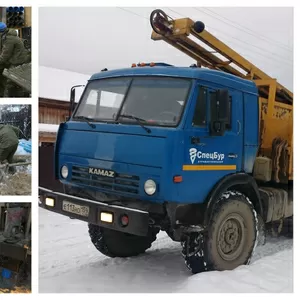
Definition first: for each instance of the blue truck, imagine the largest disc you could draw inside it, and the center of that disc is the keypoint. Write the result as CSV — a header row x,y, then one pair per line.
x,y
177,149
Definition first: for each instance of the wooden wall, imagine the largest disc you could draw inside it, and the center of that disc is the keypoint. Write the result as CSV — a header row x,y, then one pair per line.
x,y
52,111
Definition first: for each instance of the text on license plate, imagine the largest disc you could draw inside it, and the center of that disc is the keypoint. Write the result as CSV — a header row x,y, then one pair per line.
x,y
76,209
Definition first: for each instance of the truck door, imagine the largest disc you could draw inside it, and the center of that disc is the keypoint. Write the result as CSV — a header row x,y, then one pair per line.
x,y
207,158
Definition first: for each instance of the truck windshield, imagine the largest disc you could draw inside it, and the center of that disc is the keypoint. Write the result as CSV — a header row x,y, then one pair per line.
x,y
151,100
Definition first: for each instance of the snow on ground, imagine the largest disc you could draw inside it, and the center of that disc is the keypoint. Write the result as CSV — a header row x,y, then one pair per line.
x,y
69,262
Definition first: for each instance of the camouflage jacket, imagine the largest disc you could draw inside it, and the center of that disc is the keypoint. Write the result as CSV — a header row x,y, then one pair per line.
x,y
9,135
12,50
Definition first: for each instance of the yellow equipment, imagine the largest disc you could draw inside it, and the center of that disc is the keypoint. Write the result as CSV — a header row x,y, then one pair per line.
x,y
275,100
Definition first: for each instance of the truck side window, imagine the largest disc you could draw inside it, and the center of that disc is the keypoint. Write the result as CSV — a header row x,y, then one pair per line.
x,y
228,125
199,118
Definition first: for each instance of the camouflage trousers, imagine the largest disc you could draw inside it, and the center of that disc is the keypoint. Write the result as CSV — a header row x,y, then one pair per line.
x,y
12,90
8,153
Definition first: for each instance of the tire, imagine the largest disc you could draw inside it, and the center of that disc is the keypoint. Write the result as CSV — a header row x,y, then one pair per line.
x,y
114,243
290,227
230,239
261,238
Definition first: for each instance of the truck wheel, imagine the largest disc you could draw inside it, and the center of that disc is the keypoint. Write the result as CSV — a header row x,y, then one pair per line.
x,y
262,235
230,239
114,243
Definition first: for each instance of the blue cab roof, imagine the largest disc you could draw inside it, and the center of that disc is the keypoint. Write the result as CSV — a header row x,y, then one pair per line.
x,y
217,77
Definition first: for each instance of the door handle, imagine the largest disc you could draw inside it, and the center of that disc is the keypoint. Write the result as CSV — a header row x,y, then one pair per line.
x,y
239,127
195,140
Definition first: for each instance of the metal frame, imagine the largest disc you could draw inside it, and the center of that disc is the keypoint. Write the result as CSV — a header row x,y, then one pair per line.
x,y
179,38
138,219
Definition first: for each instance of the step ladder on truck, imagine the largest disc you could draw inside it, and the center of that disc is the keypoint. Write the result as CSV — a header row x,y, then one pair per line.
x,y
211,156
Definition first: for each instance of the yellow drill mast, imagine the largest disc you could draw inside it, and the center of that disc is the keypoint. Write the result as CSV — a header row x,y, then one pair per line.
x,y
275,100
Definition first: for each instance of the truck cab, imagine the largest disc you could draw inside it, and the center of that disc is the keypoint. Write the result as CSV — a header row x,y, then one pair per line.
x,y
150,133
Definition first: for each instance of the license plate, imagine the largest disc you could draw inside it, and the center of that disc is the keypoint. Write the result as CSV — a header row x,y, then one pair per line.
x,y
76,209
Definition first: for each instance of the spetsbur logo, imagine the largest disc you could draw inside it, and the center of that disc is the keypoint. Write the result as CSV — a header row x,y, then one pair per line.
x,y
212,156
193,154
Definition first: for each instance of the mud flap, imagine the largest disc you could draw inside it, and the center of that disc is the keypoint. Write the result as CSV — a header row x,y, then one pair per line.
x,y
193,252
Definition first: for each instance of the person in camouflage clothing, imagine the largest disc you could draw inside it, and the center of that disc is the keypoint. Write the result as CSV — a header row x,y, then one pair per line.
x,y
9,141
12,53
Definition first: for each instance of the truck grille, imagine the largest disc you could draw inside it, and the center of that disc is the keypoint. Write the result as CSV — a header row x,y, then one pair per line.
x,y
120,183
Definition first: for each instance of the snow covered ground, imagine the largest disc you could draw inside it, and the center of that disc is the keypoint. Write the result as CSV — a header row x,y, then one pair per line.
x,y
69,262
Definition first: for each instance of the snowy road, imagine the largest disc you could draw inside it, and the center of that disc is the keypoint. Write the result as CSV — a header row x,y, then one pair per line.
x,y
69,262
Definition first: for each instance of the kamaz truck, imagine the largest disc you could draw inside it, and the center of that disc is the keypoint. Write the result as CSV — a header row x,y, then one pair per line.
x,y
204,153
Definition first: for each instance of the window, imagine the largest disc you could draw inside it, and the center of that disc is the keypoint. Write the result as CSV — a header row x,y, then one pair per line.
x,y
200,114
212,101
154,100
158,101
103,99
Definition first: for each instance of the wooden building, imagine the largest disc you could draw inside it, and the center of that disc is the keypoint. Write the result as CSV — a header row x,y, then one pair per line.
x,y
53,110
54,99
51,114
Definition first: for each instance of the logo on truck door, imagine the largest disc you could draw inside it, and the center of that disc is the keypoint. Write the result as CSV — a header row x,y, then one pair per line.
x,y
101,172
210,157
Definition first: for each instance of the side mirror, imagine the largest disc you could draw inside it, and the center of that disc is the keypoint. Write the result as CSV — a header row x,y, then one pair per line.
x,y
72,99
219,112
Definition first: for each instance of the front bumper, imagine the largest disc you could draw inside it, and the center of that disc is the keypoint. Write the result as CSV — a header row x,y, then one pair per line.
x,y
138,219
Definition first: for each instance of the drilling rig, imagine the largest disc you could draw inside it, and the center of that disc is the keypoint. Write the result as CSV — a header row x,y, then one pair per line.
x,y
15,244
211,161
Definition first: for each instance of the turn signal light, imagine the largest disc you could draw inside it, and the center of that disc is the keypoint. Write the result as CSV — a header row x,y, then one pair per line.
x,y
152,64
133,65
177,179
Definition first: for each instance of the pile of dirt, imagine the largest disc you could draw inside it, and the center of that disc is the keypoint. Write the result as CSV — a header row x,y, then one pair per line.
x,y
17,290
17,184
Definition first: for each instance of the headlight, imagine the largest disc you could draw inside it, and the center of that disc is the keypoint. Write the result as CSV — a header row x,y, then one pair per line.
x,y
150,187
64,171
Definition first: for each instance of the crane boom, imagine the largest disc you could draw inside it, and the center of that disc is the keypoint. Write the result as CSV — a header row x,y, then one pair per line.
x,y
179,33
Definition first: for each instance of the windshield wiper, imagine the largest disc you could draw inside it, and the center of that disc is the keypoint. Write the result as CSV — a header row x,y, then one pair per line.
x,y
138,120
86,119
